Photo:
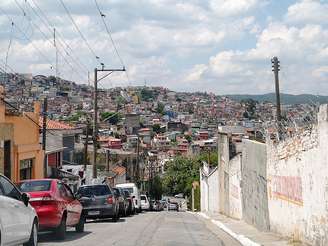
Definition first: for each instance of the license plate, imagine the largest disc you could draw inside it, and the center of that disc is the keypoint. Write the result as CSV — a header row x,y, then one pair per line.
x,y
93,212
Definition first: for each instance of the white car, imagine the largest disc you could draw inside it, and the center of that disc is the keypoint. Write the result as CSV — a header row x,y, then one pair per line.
x,y
145,205
18,219
133,189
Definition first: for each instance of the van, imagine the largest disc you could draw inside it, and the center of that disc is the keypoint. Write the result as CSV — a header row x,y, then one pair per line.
x,y
133,189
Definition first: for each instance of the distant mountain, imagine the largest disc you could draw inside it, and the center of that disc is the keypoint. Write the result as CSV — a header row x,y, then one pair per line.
x,y
285,98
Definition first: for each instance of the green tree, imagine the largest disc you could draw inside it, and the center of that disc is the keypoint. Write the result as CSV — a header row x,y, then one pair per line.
x,y
157,128
156,188
160,108
146,95
188,138
113,117
250,106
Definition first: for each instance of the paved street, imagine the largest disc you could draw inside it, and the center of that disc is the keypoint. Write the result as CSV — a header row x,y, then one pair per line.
x,y
150,228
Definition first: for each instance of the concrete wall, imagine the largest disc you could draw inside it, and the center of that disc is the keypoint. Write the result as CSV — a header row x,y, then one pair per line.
x,y
235,201
223,167
209,185
298,184
254,185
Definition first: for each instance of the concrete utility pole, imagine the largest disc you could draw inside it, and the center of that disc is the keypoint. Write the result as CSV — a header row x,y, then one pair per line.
x,y
44,135
86,142
276,69
95,113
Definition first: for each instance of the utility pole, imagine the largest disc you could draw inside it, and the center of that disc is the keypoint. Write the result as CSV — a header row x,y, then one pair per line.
x,y
86,142
95,111
138,157
44,135
276,69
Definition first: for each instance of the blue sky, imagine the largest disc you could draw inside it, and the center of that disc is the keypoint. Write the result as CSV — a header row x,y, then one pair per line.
x,y
222,46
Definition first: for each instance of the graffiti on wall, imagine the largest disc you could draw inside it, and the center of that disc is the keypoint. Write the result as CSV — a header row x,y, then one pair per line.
x,y
287,188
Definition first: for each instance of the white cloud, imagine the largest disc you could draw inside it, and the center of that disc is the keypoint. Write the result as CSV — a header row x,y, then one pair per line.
x,y
302,51
226,8
308,11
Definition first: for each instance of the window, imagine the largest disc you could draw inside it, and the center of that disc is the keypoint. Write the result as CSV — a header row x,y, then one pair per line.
x,y
68,192
8,189
26,168
96,190
62,189
38,185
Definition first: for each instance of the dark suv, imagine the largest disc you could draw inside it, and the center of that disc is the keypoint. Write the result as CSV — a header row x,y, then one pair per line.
x,y
98,201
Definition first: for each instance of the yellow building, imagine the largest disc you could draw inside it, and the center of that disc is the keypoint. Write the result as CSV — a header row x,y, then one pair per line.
x,y
21,155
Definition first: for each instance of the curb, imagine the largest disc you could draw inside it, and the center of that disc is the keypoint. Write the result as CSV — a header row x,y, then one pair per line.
x,y
240,238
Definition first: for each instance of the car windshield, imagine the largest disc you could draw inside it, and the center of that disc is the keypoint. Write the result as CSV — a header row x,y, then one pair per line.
x,y
96,190
37,185
129,190
143,198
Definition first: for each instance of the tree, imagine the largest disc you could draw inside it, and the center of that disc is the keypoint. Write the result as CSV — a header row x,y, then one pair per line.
x,y
160,108
188,138
250,106
157,128
146,95
113,117
156,188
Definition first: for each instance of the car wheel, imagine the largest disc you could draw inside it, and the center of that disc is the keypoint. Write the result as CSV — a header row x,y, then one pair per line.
x,y
80,226
33,241
116,217
61,229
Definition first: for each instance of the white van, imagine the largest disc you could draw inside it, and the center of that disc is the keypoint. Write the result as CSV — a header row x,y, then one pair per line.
x,y
133,189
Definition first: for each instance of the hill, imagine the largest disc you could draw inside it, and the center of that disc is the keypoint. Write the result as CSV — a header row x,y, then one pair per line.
x,y
285,98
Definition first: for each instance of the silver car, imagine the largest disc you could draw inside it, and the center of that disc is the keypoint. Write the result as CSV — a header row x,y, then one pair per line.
x,y
98,201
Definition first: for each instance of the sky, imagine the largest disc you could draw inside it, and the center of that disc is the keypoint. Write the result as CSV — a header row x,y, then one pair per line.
x,y
219,46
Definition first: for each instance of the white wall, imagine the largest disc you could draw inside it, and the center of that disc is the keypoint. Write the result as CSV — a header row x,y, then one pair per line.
x,y
298,185
209,189
235,201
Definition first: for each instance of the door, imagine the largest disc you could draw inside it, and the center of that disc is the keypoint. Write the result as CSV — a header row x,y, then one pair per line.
x,y
15,214
75,207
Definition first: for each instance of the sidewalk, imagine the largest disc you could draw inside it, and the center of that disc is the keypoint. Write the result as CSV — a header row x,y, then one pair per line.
x,y
246,234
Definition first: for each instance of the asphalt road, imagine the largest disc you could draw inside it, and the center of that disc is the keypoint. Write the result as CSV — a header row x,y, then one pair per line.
x,y
148,228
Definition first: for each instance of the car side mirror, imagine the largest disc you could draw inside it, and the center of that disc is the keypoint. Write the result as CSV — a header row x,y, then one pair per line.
x,y
25,199
77,196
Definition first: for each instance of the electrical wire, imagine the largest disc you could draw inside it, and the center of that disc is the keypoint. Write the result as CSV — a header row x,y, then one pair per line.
x,y
62,42
109,32
46,37
9,45
78,30
28,39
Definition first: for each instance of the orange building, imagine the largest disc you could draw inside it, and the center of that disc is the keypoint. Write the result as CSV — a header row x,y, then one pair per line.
x,y
21,155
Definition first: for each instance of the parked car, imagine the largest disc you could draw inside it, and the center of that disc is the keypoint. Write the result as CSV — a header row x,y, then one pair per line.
x,y
55,205
173,206
128,196
145,205
180,195
123,202
18,219
98,201
157,205
132,188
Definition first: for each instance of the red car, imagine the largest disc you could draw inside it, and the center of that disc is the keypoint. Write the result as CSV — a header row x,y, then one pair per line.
x,y
55,205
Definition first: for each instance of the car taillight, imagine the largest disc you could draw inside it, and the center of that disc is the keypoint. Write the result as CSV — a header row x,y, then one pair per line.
x,y
43,200
110,200
47,198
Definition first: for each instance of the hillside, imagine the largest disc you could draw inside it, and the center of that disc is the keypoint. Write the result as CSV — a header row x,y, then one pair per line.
x,y
285,98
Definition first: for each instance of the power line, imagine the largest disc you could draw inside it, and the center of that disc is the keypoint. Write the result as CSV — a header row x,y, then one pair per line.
x,y
62,42
78,30
109,32
46,37
28,39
